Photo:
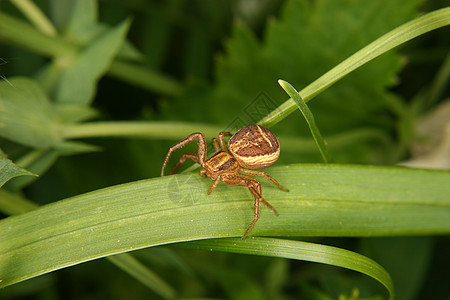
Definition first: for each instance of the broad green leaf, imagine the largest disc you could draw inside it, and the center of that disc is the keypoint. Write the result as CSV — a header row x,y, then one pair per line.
x,y
9,170
324,200
78,81
26,115
302,251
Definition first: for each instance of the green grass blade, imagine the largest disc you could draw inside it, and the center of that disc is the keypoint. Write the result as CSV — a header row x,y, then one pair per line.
x,y
36,16
390,40
301,251
324,200
155,129
135,268
9,170
307,114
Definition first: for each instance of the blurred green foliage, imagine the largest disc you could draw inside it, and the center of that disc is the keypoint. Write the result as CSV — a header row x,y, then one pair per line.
x,y
216,63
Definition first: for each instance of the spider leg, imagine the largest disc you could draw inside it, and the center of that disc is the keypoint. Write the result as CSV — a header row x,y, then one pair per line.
x,y
214,185
222,141
265,175
255,188
215,145
201,155
182,160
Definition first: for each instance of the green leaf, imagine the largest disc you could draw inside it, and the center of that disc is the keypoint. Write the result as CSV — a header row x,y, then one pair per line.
x,y
324,200
301,251
9,170
26,115
78,81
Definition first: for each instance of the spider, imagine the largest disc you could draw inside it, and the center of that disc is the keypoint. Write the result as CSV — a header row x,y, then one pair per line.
x,y
252,147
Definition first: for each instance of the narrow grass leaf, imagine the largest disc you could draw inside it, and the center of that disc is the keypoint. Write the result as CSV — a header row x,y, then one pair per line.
x,y
309,117
301,251
324,200
392,39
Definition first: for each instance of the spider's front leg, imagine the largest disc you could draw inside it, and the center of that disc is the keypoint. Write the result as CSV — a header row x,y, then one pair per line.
x,y
199,158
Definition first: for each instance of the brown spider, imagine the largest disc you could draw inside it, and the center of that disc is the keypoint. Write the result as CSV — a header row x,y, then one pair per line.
x,y
252,147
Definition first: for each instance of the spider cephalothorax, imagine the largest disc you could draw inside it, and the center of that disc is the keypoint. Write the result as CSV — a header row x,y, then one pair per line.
x,y
252,147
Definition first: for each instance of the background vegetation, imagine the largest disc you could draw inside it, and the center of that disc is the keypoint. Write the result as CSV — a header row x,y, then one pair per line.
x,y
111,85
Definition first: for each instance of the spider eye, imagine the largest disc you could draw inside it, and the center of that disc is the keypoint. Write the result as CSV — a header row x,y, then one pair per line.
x,y
254,147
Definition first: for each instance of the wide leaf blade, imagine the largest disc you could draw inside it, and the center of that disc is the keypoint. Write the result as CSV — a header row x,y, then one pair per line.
x,y
324,200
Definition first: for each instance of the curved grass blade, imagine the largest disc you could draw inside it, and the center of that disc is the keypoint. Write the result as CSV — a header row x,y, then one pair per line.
x,y
324,200
309,117
301,251
421,25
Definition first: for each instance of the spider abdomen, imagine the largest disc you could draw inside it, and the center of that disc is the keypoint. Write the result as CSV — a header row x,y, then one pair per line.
x,y
254,147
